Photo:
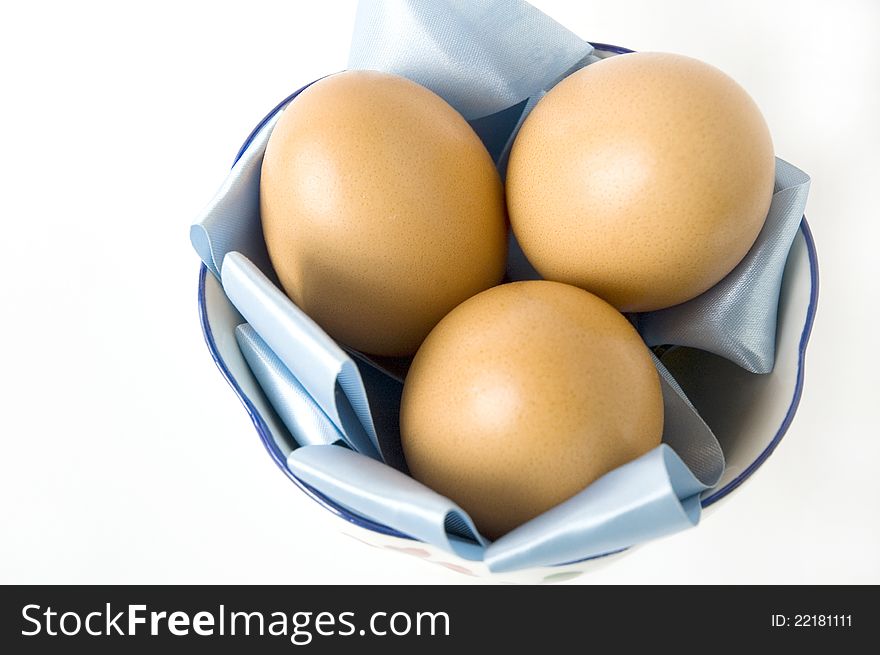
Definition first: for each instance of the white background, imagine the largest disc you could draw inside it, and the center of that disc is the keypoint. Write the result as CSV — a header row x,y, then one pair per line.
x,y
125,456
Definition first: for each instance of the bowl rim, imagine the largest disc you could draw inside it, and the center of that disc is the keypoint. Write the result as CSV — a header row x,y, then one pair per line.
x,y
268,440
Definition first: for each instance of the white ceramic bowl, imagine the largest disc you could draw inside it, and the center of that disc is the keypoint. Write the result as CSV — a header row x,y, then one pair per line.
x,y
749,413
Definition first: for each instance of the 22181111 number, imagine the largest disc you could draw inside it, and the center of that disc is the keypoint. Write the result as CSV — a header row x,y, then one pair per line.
x,y
812,621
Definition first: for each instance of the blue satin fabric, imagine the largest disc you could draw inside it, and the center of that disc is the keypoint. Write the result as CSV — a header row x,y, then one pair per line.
x,y
387,496
320,365
649,497
481,56
737,317
231,221
295,406
492,60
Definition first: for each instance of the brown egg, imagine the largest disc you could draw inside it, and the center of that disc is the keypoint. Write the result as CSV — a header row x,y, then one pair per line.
x,y
644,178
381,209
522,396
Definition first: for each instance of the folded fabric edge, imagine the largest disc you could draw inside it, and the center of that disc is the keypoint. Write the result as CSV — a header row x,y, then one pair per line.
x,y
201,243
583,528
684,483
789,176
705,458
281,324
550,48
300,414
689,323
382,494
352,385
213,217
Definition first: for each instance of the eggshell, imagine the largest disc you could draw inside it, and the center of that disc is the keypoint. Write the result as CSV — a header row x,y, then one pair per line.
x,y
522,396
644,178
381,209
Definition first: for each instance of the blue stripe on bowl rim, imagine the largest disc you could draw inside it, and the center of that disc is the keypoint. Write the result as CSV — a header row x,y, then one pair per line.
x,y
268,440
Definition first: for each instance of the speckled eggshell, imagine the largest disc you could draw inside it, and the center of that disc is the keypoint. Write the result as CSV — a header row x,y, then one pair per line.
x,y
644,178
524,395
381,209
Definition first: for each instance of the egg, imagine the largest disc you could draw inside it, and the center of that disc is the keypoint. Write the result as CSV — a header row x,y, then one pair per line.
x,y
381,209
522,396
644,178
